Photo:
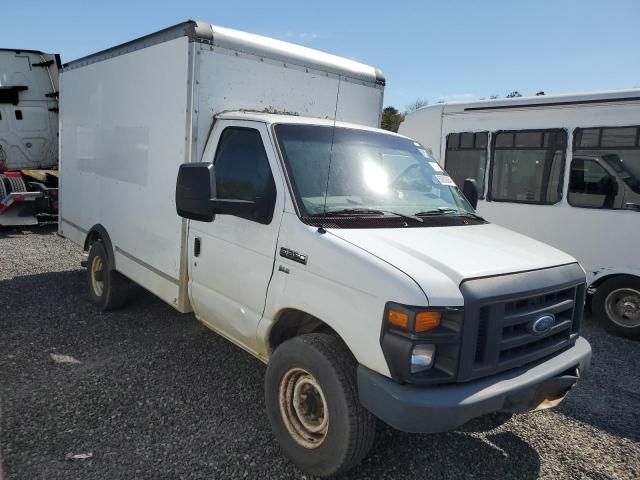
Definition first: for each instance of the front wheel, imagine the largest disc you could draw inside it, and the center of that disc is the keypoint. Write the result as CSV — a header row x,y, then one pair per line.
x,y
616,305
313,407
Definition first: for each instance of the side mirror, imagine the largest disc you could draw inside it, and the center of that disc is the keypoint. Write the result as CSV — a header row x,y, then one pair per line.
x,y
193,191
194,195
470,191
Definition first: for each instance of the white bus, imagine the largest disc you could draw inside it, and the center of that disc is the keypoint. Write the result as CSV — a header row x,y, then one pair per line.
x,y
564,169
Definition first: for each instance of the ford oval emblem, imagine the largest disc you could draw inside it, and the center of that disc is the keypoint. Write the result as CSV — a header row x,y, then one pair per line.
x,y
543,324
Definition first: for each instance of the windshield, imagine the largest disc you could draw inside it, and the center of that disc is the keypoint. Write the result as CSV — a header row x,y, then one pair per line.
x,y
349,171
627,171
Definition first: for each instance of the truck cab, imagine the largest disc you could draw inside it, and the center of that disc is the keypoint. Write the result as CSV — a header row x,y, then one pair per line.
x,y
301,226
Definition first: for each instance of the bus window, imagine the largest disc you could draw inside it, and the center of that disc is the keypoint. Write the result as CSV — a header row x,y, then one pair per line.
x,y
466,157
617,151
527,166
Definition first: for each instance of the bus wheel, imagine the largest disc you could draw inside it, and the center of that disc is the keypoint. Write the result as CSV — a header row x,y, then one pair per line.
x,y
616,305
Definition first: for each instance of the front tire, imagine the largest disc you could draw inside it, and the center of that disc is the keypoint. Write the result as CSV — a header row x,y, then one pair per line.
x,y
616,305
312,404
108,289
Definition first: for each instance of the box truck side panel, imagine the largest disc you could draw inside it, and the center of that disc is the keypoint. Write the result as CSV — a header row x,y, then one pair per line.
x,y
234,80
124,128
359,102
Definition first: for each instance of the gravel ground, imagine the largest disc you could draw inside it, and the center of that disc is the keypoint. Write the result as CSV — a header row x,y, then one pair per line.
x,y
157,395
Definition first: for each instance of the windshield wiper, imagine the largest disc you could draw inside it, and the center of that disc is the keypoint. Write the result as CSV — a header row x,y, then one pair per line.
x,y
447,211
350,211
366,211
439,211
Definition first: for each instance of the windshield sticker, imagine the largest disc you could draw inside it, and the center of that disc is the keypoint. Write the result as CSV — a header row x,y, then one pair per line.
x,y
445,180
436,167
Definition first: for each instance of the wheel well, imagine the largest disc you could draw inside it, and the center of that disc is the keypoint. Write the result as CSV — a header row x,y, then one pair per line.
x,y
92,236
98,232
594,285
291,323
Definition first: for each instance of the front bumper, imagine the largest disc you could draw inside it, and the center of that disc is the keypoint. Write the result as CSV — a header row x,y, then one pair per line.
x,y
445,407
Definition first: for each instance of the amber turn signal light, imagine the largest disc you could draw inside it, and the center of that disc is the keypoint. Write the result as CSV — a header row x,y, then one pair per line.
x,y
426,321
398,319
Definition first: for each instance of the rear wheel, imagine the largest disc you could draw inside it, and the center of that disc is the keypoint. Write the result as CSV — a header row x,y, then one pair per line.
x,y
107,288
616,305
312,404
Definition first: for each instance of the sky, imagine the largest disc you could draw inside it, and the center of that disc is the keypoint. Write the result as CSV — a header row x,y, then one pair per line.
x,y
436,51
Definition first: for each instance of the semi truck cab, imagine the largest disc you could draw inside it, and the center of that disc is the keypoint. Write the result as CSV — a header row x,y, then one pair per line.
x,y
28,135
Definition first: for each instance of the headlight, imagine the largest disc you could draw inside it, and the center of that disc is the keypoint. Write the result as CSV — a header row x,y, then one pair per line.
x,y
422,357
421,344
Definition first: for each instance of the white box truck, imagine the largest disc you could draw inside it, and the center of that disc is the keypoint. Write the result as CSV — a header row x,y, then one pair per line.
x,y
563,169
242,178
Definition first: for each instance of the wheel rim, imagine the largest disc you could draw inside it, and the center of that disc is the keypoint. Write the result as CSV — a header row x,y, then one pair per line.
x,y
303,408
96,276
623,307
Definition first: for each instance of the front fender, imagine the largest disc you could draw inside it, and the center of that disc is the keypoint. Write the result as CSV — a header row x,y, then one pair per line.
x,y
342,285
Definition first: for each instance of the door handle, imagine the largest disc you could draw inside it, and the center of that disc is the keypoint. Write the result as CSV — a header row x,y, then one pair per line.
x,y
197,246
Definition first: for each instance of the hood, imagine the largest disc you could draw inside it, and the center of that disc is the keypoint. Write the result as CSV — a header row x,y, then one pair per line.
x,y
438,259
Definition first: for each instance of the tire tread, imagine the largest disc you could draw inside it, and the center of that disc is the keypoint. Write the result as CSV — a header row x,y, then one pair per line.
x,y
332,354
361,419
116,285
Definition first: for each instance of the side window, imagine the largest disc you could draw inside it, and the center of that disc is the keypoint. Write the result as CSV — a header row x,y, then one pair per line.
x,y
466,157
242,171
527,166
617,151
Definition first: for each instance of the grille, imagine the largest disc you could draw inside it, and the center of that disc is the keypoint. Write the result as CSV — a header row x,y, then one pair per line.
x,y
517,339
498,332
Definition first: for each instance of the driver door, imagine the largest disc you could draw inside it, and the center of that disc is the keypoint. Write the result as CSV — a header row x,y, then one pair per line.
x,y
231,259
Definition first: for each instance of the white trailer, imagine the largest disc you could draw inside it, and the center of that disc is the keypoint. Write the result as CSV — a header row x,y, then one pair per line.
x,y
243,178
28,135
564,169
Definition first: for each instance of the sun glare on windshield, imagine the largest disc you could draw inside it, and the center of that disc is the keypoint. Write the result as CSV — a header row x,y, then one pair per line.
x,y
375,177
